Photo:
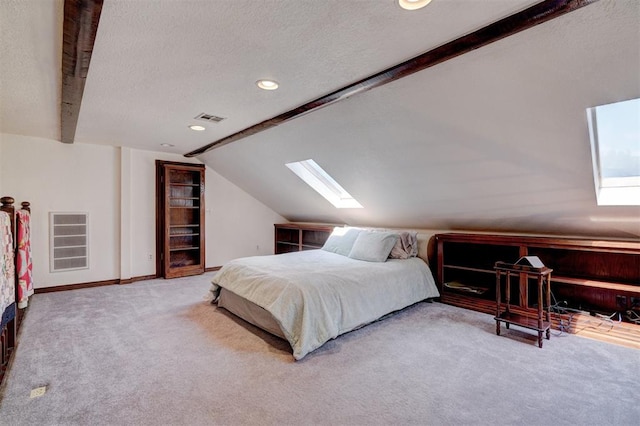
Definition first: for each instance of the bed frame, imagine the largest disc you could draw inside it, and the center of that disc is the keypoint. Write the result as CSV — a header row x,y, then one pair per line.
x,y
9,333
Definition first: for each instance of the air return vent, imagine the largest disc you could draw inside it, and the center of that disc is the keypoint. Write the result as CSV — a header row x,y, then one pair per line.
x,y
209,117
68,241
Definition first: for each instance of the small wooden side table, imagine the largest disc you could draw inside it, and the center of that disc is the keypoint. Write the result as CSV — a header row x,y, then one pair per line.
x,y
541,323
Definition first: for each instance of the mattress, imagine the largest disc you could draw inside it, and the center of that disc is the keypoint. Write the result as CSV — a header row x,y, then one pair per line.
x,y
250,312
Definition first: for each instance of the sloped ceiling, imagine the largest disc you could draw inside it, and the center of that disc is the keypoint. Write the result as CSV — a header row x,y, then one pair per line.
x,y
493,140
496,139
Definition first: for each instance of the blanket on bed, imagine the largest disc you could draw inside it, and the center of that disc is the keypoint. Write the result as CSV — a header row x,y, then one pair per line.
x,y
317,295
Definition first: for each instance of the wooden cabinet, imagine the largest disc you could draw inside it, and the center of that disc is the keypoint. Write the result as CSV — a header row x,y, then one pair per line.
x,y
180,246
590,276
595,277
300,236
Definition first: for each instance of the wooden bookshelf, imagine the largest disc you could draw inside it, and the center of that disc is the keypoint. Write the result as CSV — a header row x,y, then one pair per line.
x,y
592,277
180,219
300,236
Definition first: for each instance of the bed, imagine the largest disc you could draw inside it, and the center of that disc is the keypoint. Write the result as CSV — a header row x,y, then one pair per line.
x,y
310,297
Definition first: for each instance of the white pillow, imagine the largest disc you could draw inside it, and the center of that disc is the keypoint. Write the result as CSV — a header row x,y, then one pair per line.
x,y
341,240
373,246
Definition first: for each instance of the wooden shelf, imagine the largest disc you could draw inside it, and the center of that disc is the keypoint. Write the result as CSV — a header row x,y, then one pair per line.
x,y
467,268
599,284
180,219
311,247
590,276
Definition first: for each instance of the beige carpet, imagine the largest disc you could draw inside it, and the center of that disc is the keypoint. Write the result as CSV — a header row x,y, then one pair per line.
x,y
155,353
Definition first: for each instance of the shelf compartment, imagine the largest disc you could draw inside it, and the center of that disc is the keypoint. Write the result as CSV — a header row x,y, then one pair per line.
x,y
606,267
469,281
314,238
286,248
478,256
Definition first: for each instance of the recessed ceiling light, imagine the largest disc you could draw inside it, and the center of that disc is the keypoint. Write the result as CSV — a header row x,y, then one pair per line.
x,y
413,4
267,84
197,128
168,145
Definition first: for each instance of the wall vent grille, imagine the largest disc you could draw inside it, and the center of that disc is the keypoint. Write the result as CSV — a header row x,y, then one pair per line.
x,y
209,117
68,241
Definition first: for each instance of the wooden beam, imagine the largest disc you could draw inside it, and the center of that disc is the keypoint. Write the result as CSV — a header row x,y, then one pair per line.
x,y
81,19
534,15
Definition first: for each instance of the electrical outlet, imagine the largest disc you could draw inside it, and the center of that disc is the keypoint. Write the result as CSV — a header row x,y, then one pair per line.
x,y
635,302
257,248
621,301
150,258
37,392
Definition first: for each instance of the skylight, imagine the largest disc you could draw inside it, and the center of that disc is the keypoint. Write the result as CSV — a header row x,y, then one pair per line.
x,y
314,176
615,149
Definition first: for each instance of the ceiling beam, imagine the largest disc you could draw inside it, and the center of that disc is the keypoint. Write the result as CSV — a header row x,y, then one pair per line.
x,y
530,17
80,26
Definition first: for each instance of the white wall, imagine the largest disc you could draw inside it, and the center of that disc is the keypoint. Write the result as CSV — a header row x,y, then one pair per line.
x,y
58,177
237,224
116,186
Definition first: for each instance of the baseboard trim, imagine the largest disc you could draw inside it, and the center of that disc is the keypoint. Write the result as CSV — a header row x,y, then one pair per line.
x,y
106,282
93,284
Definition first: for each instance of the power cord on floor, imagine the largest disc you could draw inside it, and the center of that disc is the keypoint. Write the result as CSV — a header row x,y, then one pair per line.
x,y
563,309
633,316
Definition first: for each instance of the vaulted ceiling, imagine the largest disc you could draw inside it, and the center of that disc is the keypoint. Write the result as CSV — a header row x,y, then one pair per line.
x,y
495,139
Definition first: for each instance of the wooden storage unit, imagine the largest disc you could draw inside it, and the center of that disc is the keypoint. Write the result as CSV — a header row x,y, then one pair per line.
x,y
180,247
300,236
541,323
597,277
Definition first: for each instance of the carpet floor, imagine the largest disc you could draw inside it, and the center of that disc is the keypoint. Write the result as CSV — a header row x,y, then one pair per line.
x,y
156,353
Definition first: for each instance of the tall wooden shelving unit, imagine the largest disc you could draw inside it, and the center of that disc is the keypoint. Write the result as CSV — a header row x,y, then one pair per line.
x,y
180,246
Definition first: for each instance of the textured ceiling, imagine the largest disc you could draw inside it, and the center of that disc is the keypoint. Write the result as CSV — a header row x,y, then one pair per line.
x,y
30,73
495,139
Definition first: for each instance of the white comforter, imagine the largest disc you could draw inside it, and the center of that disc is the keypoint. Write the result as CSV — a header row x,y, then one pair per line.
x,y
316,295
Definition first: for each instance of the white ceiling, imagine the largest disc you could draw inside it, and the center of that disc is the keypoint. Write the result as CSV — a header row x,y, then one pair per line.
x,y
493,140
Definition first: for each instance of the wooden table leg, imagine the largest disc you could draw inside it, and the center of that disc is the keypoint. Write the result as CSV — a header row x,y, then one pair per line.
x,y
498,302
540,339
